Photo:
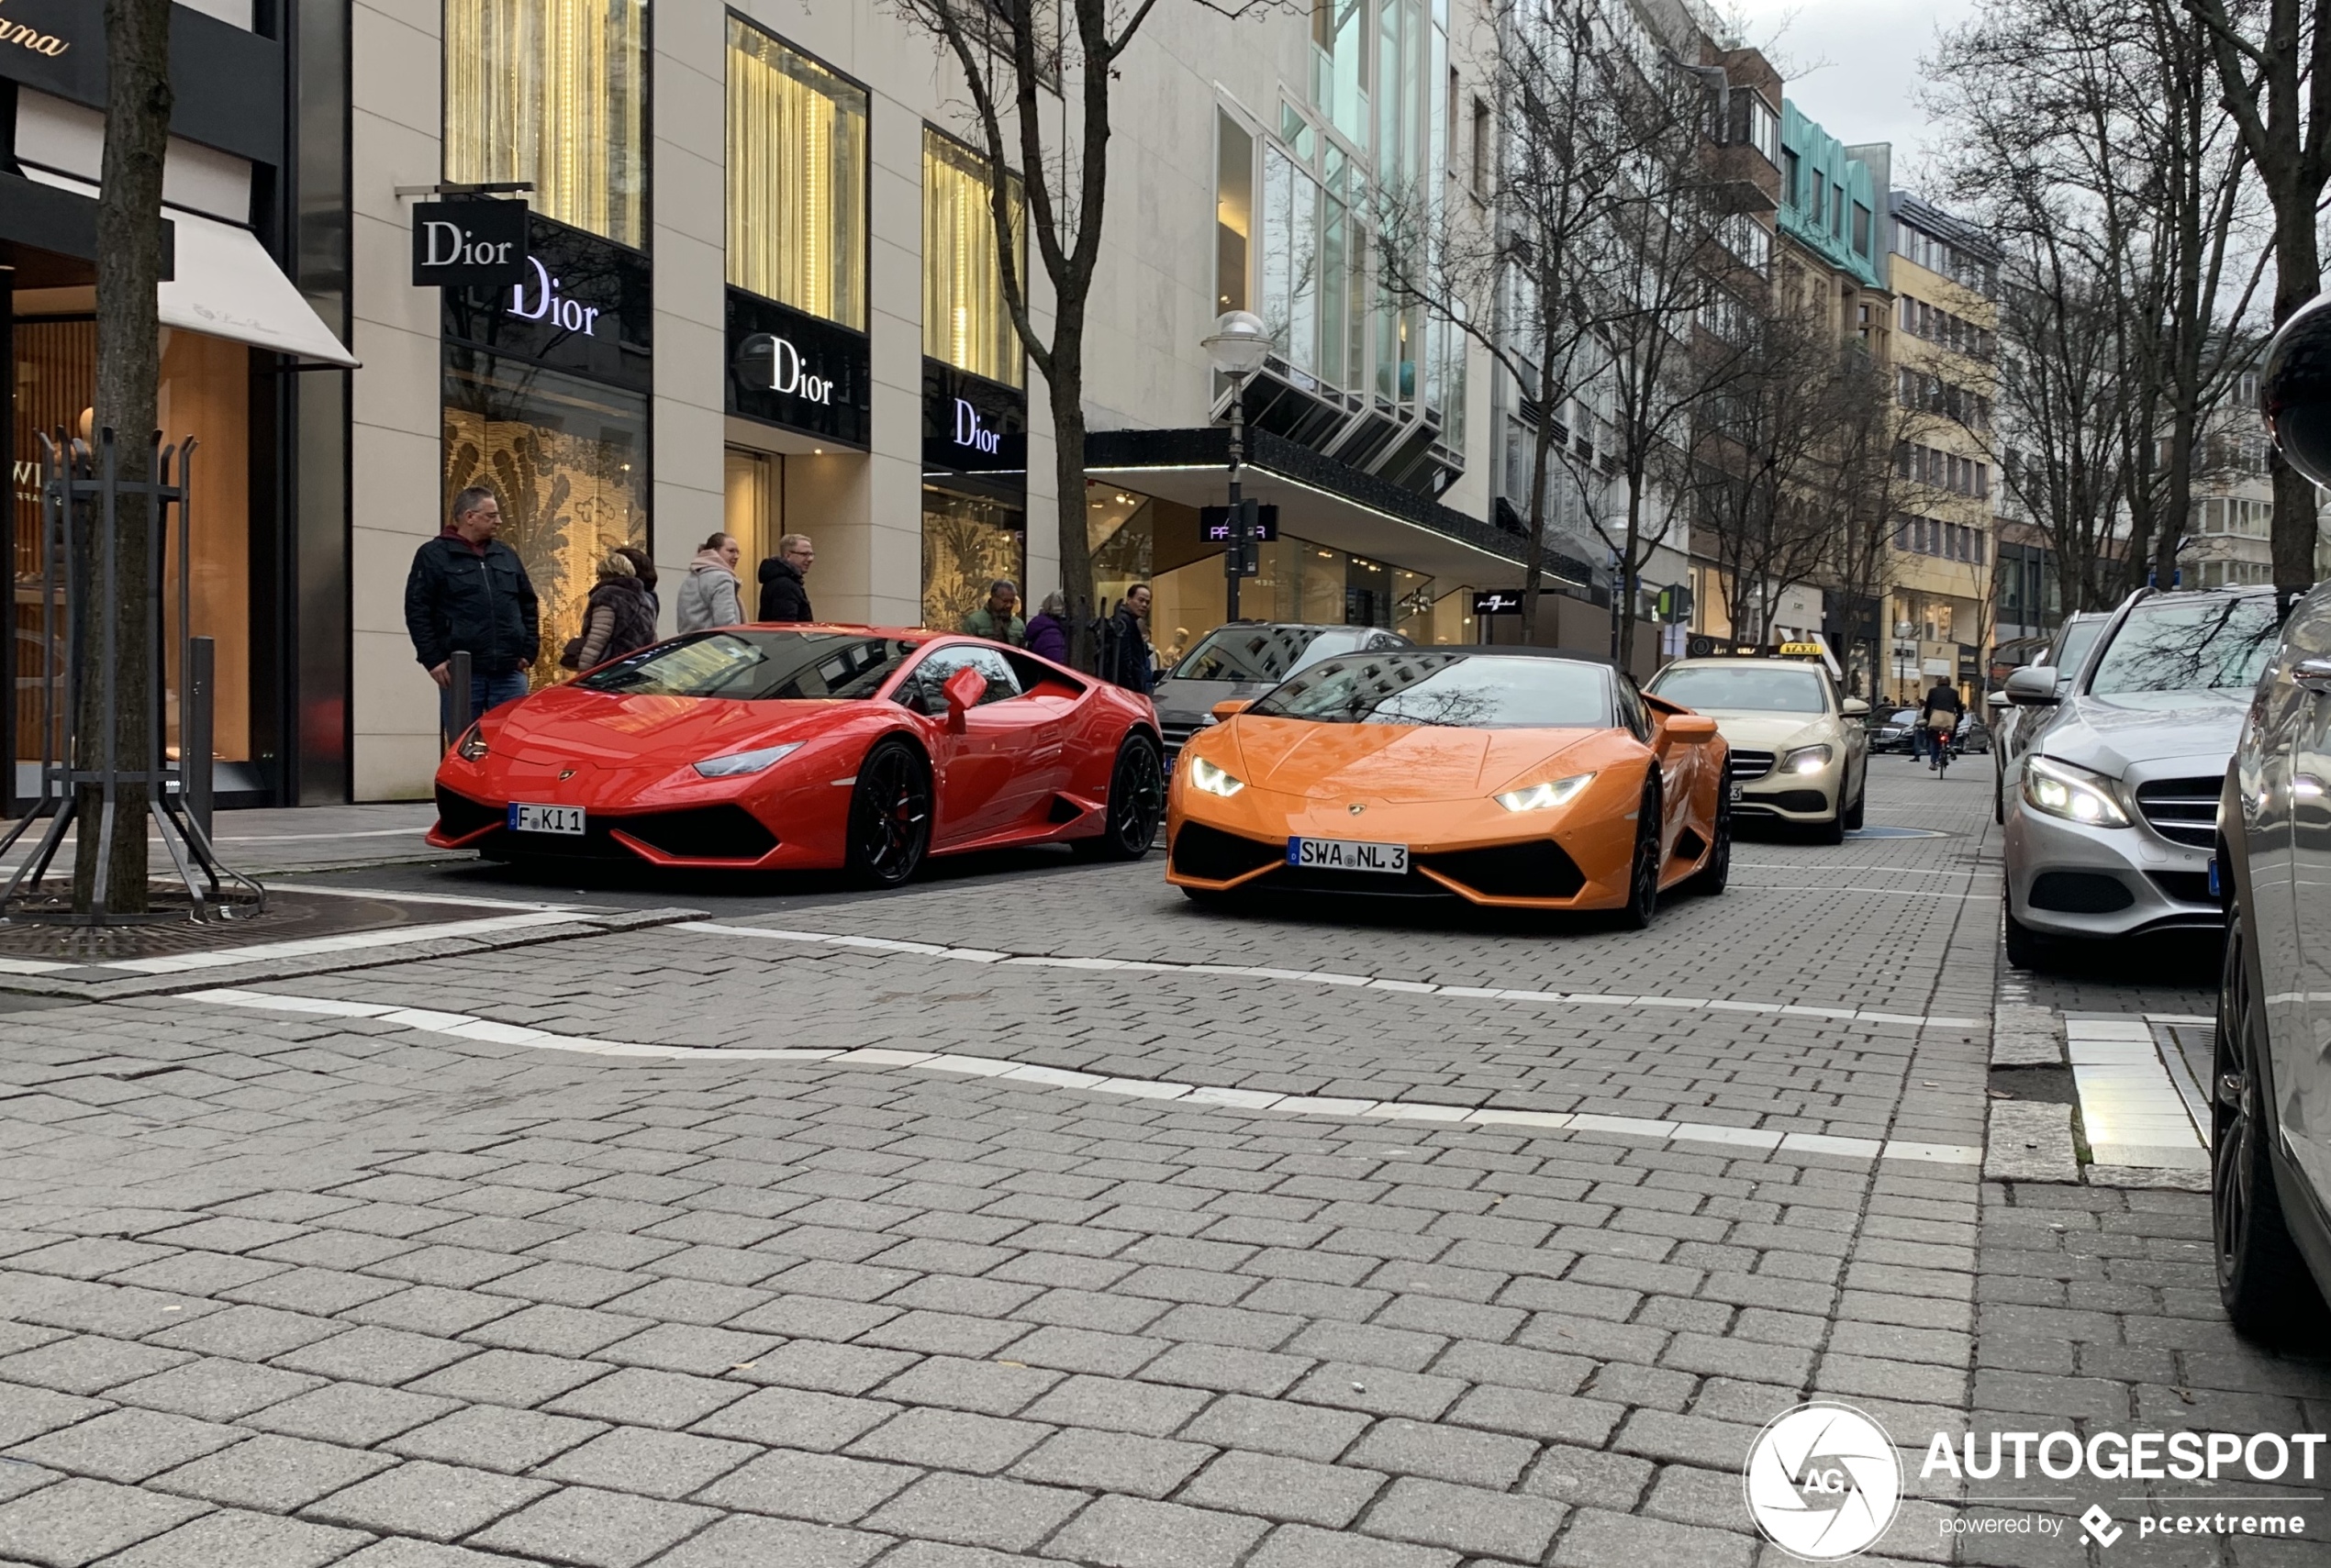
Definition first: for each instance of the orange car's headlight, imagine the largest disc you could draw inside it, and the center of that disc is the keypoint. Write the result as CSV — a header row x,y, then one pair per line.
x,y
1206,776
1540,796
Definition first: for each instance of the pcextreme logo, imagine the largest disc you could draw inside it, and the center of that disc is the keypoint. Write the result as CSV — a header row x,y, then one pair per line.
x,y
1822,1480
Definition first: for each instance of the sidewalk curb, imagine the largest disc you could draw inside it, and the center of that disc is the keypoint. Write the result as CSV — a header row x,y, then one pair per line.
x,y
582,926
2030,1140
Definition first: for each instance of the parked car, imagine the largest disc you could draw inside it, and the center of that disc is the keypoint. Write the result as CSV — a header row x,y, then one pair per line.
x,y
1245,659
1890,730
1799,753
2111,827
2270,1085
2012,727
1972,735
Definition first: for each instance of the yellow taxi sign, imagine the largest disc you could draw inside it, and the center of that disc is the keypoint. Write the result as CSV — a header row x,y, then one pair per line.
x,y
1801,650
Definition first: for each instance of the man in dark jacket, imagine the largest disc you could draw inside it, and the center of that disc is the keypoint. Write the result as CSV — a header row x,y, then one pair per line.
x,y
784,595
1125,658
468,592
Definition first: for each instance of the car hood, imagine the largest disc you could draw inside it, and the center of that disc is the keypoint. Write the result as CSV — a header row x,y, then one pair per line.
x,y
1388,763
571,725
2112,734
1766,732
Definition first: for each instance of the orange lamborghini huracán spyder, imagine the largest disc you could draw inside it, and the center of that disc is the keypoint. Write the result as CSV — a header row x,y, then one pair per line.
x,y
1500,776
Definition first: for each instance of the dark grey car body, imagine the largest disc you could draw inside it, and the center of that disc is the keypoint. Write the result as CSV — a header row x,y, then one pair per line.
x,y
1267,653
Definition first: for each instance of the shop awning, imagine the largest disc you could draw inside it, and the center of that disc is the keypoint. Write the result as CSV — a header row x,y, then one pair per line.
x,y
1318,499
226,285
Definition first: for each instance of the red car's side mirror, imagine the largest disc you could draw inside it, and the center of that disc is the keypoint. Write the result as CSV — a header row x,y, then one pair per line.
x,y
963,691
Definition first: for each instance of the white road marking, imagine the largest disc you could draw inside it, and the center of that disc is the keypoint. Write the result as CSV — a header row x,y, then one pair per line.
x,y
462,1026
1312,977
220,958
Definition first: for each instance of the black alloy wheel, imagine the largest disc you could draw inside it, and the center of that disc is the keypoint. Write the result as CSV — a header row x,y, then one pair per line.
x,y
889,815
2027,949
2262,1280
1855,813
1136,803
1642,874
1715,871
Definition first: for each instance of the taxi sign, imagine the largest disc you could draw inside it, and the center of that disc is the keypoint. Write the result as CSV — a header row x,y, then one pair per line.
x,y
1801,650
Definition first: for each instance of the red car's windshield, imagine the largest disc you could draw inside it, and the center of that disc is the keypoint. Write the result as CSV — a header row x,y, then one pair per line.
x,y
832,666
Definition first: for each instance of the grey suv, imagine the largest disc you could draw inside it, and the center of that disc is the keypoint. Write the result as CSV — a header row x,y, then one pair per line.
x,y
2115,814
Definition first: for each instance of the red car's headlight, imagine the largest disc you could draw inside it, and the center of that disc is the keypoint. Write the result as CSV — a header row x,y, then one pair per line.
x,y
742,763
472,747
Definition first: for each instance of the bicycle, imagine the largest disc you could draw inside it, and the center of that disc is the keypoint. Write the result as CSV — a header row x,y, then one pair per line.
x,y
1942,740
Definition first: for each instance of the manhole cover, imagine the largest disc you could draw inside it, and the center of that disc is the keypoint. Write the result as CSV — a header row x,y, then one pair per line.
x,y
291,916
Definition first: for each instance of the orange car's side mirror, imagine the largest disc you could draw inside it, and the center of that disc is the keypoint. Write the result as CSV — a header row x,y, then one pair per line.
x,y
1230,706
1691,730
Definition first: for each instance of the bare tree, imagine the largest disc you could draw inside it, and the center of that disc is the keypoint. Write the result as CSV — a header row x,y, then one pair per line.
x,y
129,241
1013,56
2273,63
2087,137
1584,279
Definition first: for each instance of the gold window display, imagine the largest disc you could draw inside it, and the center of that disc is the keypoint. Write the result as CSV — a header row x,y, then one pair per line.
x,y
965,321
554,92
796,145
567,458
204,394
968,543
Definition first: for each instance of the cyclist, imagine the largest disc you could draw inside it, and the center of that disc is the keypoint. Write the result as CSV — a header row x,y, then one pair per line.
x,y
1939,716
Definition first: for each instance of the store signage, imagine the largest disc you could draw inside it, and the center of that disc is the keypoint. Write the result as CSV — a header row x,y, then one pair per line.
x,y
1495,602
22,29
461,244
1214,523
797,371
970,424
578,303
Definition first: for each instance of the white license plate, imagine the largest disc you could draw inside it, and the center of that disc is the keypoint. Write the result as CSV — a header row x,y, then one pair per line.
x,y
546,818
1343,855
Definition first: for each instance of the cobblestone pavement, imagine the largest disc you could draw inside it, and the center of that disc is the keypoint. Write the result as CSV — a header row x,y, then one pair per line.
x,y
293,1288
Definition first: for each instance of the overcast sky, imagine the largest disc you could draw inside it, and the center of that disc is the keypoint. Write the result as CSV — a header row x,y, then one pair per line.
x,y
1853,64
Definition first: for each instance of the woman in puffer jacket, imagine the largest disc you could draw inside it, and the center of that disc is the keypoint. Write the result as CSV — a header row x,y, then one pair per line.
x,y
617,618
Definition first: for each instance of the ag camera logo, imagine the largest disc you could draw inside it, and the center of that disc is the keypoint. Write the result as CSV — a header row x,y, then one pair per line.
x,y
1823,1482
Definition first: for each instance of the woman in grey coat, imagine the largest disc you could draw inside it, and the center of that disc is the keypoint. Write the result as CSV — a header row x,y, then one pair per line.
x,y
708,595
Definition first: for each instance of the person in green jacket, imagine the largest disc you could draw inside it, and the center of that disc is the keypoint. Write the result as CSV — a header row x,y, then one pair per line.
x,y
994,619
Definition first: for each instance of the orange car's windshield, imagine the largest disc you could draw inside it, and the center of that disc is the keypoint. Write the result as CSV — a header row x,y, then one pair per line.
x,y
1469,690
752,664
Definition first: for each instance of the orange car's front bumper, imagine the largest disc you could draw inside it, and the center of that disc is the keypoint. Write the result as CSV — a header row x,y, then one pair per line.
x,y
1570,857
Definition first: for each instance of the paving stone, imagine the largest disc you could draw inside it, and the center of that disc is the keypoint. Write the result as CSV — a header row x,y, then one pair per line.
x,y
508,1378
1131,1532
243,1540
1596,1538
746,1542
640,1459
275,1474
1112,1462
823,1487
87,1364
1115,1405
1274,1487
354,1415
1446,1453
437,1502
493,1437
792,1417
951,1440
78,1521
215,1389
1301,1546
633,1394
597,1529
976,1510
1465,1519
385,1356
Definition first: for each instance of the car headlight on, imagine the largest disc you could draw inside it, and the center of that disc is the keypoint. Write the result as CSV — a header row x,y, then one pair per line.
x,y
1806,759
472,748
743,762
1540,796
2074,794
1205,775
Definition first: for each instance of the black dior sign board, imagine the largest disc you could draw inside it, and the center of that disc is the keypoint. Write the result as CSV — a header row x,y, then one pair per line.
x,y
970,424
461,244
797,371
579,303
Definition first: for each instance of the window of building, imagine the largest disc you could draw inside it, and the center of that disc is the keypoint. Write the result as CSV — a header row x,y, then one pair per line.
x,y
796,179
964,320
1482,181
1861,230
1789,186
554,92
1234,209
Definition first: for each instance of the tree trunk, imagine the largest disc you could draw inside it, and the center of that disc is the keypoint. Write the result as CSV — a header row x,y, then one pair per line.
x,y
129,231
1066,387
2298,278
1534,560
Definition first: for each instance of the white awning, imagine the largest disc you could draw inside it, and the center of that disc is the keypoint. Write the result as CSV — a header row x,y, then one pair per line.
x,y
226,285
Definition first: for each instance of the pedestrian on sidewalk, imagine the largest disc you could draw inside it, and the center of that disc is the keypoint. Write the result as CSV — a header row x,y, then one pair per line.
x,y
643,568
711,596
468,592
1048,628
617,619
995,620
784,591
1125,656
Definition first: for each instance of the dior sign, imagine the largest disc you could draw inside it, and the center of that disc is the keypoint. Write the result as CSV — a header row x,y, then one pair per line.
x,y
770,363
797,371
469,244
549,305
971,434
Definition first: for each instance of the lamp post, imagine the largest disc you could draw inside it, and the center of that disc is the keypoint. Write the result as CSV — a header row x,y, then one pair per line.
x,y
1238,346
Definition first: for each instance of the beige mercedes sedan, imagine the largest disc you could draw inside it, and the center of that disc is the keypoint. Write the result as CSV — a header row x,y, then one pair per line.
x,y
1800,752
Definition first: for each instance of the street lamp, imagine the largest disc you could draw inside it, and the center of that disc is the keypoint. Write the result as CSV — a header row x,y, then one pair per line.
x,y
1238,346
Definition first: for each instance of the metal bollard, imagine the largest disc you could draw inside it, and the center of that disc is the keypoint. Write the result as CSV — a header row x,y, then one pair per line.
x,y
458,668
195,769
